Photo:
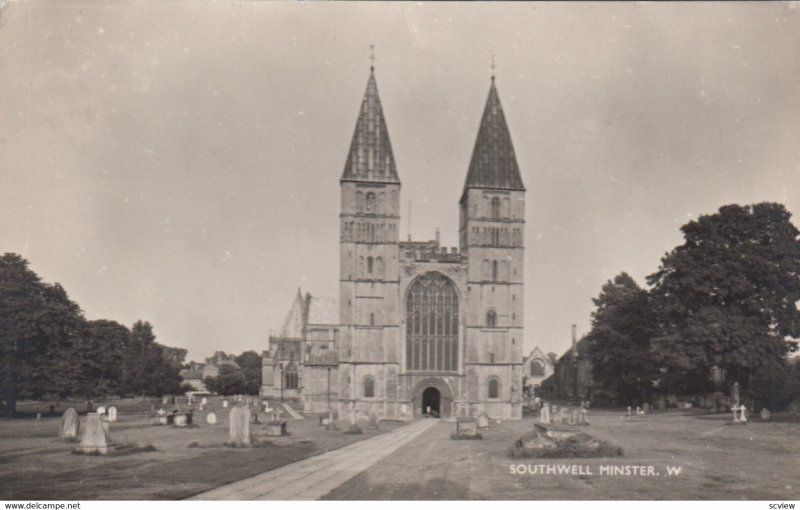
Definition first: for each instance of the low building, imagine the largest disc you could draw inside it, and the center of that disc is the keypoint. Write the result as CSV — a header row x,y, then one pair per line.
x,y
537,367
193,376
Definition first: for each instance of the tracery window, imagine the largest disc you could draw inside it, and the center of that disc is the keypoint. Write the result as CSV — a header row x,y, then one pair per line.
x,y
432,324
290,377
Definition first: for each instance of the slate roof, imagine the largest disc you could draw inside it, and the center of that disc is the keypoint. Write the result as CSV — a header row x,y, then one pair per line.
x,y
324,311
493,164
370,157
292,326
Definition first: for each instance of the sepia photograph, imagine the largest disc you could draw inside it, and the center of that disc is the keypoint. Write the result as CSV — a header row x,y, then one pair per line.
x,y
392,251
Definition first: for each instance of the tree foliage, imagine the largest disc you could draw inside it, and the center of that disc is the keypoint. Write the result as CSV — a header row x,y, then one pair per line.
x,y
728,296
619,343
48,348
250,364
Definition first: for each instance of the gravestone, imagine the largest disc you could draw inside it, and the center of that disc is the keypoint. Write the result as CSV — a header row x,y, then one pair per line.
x,y
743,414
239,423
584,420
483,421
254,416
554,414
89,407
638,410
629,411
646,408
101,410
179,420
466,427
562,415
735,396
765,414
225,404
112,414
276,429
94,435
544,413
661,403
204,401
38,416
70,424
164,400
211,419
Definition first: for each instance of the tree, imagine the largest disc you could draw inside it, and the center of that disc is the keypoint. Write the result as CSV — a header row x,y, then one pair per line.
x,y
39,325
623,326
228,382
728,296
102,351
250,364
149,368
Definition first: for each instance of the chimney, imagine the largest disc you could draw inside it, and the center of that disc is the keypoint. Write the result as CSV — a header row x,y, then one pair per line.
x,y
574,341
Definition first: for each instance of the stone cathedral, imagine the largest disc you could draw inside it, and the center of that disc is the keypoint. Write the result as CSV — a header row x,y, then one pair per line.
x,y
417,328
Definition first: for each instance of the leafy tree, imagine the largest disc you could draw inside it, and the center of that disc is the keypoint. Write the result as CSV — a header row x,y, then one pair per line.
x,y
148,368
228,382
619,343
774,385
39,325
102,352
727,296
250,364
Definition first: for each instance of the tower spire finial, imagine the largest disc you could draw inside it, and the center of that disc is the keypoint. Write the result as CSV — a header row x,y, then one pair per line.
x,y
493,67
371,57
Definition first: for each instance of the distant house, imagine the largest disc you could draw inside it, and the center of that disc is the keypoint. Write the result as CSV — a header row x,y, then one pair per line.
x,y
216,362
572,374
193,376
536,368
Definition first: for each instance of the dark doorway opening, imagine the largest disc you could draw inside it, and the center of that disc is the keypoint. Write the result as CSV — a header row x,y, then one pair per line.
x,y
431,402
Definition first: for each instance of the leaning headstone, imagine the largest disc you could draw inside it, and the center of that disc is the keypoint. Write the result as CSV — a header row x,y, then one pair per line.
x,y
94,435
70,424
765,414
211,419
112,414
239,431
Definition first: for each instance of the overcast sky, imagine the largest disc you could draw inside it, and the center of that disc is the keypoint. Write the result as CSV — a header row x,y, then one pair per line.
x,y
178,162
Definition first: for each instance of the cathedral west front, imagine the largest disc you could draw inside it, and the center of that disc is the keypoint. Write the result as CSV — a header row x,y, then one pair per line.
x,y
417,329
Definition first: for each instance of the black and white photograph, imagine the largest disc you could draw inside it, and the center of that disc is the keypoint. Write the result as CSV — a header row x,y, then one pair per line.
x,y
388,251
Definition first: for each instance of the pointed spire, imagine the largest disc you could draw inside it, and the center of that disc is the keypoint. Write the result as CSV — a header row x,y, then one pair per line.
x,y
292,326
493,164
370,157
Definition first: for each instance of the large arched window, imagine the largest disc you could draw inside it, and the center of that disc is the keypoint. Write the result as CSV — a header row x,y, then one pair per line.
x,y
369,387
537,367
290,377
494,388
495,208
432,324
491,319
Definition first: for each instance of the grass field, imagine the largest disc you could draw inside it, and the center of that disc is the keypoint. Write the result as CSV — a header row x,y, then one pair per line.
x,y
35,464
717,461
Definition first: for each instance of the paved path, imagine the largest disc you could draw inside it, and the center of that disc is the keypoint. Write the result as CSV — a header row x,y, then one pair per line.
x,y
314,477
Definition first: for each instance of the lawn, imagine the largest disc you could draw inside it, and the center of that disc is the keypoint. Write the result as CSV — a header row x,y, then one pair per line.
x,y
717,461
35,464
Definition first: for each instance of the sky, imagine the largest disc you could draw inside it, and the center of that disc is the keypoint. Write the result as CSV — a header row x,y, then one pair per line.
x,y
178,162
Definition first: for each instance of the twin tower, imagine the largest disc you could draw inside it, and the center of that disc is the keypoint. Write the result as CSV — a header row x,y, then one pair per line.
x,y
423,329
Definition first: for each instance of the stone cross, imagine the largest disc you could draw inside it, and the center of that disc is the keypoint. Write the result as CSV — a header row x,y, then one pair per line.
x,y
70,425
629,410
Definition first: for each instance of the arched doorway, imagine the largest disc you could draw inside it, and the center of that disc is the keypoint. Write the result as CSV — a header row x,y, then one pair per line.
x,y
431,402
435,393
